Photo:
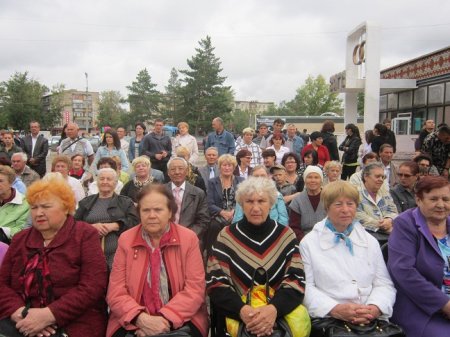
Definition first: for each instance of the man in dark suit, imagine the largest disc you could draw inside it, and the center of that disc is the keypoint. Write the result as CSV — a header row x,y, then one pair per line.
x,y
210,170
36,148
193,207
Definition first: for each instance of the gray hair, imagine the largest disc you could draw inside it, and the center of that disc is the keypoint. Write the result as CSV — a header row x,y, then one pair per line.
x,y
108,170
260,167
212,148
22,154
367,170
260,186
332,163
218,119
171,160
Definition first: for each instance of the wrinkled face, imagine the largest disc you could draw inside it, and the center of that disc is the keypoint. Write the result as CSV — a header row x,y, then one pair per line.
x,y
435,205
177,172
247,138
211,157
256,208
77,162
34,129
121,132
279,176
313,182
374,180
158,127
106,182
216,125
269,161
333,173
49,214
5,186
407,179
226,169
291,131
154,213
387,154
342,212
142,170
17,163
72,131
62,168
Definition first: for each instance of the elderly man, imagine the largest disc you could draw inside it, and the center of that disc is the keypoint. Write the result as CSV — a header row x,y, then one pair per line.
x,y
293,142
36,148
390,170
74,144
437,146
191,201
158,147
220,138
210,170
247,144
23,171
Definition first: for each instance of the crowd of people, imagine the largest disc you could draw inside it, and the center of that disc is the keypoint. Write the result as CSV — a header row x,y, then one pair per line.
x,y
131,237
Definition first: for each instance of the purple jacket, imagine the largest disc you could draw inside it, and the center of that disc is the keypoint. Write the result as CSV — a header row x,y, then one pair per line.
x,y
416,267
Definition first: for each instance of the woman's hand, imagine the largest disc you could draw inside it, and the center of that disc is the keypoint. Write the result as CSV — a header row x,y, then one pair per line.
x,y
386,225
262,323
247,313
355,313
151,325
367,314
36,321
228,215
106,228
17,315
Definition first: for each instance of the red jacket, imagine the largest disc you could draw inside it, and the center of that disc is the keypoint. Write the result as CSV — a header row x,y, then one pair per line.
x,y
77,271
322,153
184,266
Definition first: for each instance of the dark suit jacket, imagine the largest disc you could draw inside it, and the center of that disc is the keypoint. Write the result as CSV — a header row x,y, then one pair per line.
x,y
204,172
39,154
194,209
215,194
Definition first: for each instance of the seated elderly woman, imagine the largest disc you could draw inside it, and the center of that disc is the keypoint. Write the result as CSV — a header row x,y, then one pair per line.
x,y
309,157
241,248
77,170
221,198
157,282
306,209
54,273
14,209
332,171
144,175
419,254
403,193
110,214
277,213
104,163
346,276
376,209
63,164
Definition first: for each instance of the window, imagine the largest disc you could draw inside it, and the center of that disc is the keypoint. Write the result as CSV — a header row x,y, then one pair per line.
x,y
447,92
420,96
436,94
383,102
405,100
392,101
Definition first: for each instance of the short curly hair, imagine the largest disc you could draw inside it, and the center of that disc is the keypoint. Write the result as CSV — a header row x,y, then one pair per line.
x,y
54,187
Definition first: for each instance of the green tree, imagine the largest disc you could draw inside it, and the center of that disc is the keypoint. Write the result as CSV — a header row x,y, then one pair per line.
x,y
110,109
314,98
52,113
360,103
22,100
172,98
204,95
144,99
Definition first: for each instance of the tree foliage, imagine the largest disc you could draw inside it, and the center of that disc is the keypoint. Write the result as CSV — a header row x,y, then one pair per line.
x,y
314,98
110,109
144,99
21,101
172,99
203,93
52,113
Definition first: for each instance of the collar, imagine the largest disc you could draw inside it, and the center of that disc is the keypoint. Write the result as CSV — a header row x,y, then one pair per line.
x,y
358,236
35,239
138,240
182,186
220,133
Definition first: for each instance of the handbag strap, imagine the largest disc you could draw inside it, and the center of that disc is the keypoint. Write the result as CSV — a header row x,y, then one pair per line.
x,y
249,294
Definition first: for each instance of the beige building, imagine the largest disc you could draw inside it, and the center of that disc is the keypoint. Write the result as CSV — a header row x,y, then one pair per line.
x,y
80,107
253,107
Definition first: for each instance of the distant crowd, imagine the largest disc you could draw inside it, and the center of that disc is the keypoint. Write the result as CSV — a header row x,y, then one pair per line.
x,y
139,227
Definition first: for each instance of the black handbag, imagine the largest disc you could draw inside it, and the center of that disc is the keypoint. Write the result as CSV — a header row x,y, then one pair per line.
x,y
332,327
184,331
280,329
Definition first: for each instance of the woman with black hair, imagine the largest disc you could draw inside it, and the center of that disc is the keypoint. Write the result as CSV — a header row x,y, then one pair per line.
x,y
329,139
381,137
110,147
350,146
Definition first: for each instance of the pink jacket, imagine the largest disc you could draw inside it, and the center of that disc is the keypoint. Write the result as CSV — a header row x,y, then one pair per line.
x,y
185,271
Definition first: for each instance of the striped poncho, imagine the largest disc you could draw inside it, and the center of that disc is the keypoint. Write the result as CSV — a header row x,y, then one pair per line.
x,y
239,250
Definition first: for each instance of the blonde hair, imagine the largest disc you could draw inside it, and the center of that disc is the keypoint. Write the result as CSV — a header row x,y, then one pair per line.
x,y
227,158
183,124
183,151
8,172
141,160
332,163
337,189
248,130
53,186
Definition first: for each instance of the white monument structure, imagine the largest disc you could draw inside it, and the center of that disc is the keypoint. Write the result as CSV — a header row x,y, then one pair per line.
x,y
362,74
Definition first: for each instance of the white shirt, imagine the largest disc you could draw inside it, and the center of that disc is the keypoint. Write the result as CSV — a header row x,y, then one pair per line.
x,y
77,188
334,275
125,146
33,143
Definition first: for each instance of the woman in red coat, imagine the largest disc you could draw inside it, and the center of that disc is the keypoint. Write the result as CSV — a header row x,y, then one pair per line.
x,y
54,275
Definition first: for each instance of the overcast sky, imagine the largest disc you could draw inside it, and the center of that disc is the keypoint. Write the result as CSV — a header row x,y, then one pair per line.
x,y
267,48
